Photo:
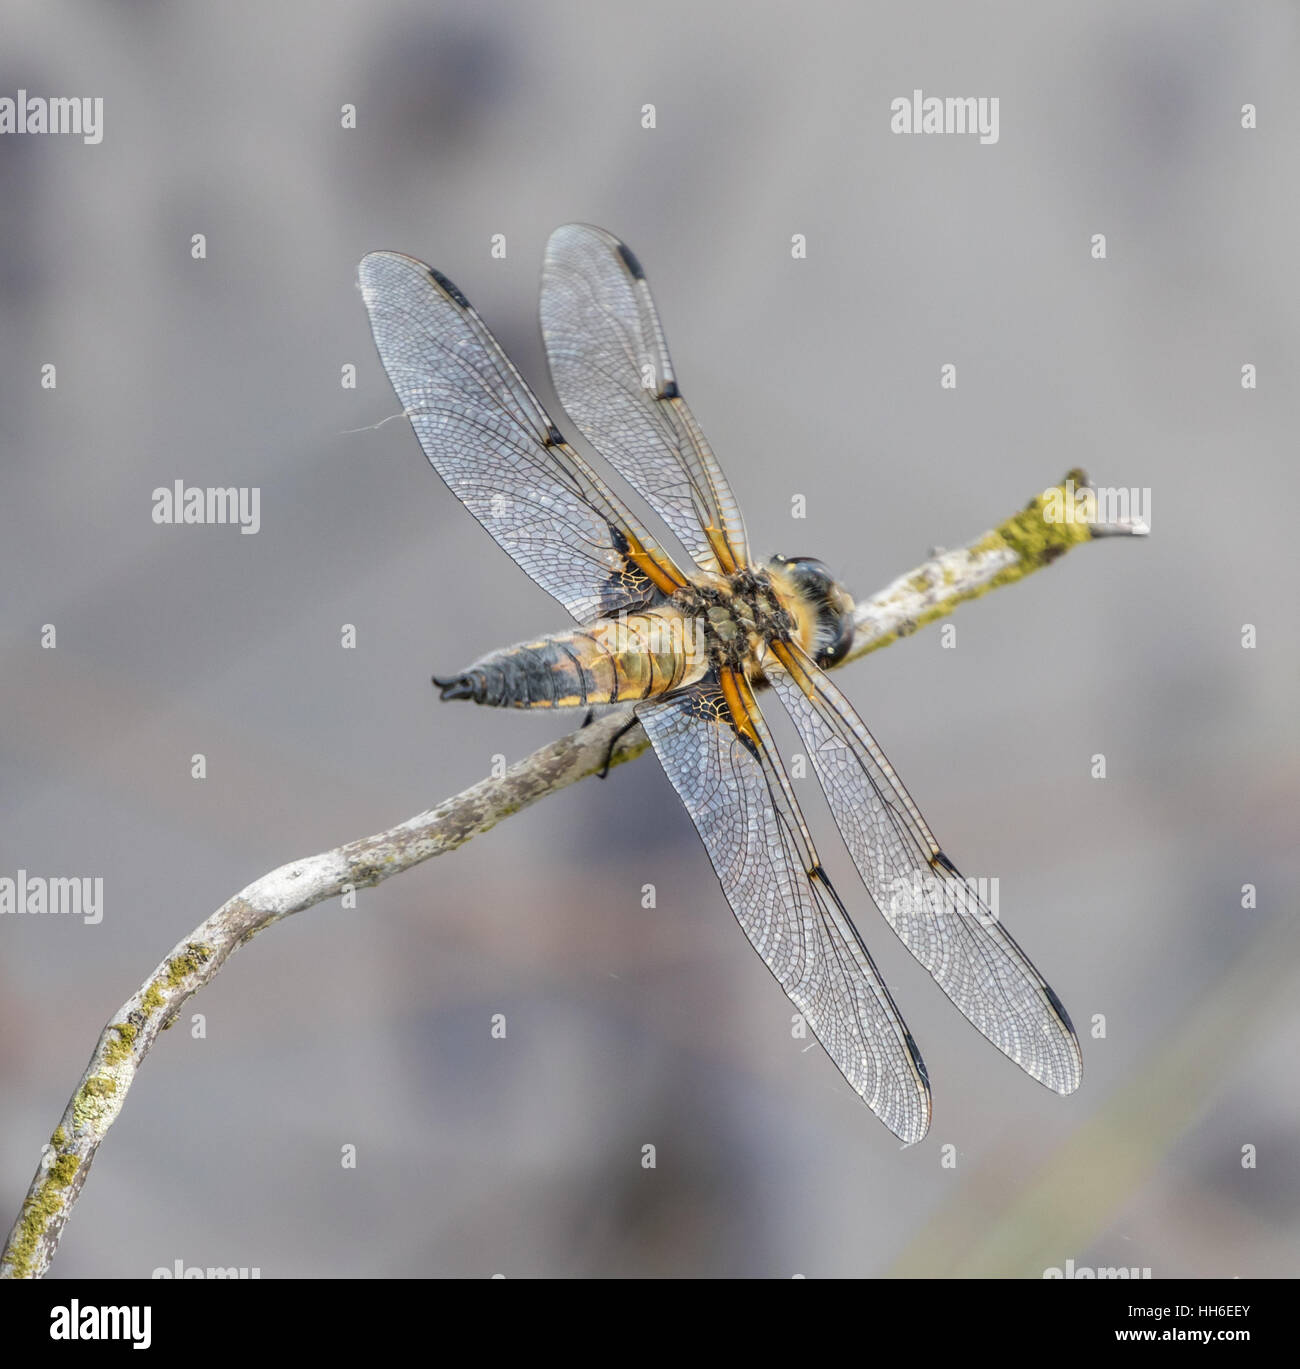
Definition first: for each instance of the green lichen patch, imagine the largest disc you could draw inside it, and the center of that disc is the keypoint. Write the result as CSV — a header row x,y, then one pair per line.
x,y
1038,540
119,1050
40,1210
1032,538
189,962
62,1172
95,1100
153,999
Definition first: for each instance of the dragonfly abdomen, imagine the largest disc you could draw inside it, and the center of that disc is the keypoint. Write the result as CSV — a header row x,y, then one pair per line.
x,y
618,660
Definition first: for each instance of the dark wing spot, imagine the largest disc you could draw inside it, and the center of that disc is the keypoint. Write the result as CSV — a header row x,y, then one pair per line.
x,y
630,261
450,288
1059,1006
554,438
670,391
916,1058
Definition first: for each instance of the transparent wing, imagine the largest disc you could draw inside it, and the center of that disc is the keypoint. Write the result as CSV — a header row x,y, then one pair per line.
x,y
498,451
937,914
610,366
715,748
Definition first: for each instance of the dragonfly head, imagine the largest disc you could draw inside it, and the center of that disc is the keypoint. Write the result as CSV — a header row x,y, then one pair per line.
x,y
821,607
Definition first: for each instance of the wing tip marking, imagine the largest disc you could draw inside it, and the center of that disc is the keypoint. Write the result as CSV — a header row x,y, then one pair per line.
x,y
449,287
1059,1008
630,261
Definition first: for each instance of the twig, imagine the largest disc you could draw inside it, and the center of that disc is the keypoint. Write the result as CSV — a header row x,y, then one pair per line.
x,y
1017,547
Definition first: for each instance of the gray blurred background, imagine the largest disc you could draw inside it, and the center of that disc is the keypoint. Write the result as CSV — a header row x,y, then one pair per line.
x,y
629,1027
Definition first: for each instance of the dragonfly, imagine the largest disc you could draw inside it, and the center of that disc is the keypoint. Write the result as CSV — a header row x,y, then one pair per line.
x,y
690,647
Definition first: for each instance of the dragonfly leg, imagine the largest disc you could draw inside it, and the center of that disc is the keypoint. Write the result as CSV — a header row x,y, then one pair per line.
x,y
613,742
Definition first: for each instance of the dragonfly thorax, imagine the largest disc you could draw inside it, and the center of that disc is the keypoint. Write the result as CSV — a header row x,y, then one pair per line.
x,y
737,617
